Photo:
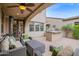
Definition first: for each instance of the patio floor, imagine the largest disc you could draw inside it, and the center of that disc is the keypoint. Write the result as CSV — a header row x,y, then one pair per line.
x,y
58,42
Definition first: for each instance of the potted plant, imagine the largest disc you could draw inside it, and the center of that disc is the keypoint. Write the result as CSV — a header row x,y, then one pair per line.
x,y
68,30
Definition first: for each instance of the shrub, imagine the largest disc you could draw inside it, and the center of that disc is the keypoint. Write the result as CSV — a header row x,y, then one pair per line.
x,y
76,32
73,28
68,27
67,51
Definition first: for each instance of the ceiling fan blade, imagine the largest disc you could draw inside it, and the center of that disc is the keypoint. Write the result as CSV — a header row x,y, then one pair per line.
x,y
30,4
29,9
12,6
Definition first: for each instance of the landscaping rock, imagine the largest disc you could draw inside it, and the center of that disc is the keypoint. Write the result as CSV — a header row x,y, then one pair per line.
x,y
67,51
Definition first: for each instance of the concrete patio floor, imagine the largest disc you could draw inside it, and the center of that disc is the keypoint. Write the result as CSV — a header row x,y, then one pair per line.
x,y
58,42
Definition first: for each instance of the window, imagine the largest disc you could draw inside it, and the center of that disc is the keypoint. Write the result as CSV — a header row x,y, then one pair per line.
x,y
47,26
76,23
36,26
31,27
54,26
41,27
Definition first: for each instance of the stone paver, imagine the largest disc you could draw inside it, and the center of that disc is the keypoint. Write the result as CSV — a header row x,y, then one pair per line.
x,y
58,42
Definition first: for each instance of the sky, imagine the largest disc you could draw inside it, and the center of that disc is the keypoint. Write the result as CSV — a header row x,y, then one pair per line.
x,y
63,10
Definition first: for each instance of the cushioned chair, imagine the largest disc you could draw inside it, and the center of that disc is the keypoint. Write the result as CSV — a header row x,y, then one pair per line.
x,y
21,51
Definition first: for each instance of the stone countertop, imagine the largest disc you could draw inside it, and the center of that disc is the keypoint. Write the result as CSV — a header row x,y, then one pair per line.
x,y
54,32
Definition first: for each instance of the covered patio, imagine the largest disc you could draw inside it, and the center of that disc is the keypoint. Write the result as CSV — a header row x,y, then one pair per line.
x,y
14,22
14,18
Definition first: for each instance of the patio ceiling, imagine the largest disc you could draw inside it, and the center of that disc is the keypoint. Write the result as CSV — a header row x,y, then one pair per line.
x,y
15,11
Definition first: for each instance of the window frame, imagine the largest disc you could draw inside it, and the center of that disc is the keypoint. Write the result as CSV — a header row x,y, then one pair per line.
x,y
30,27
76,23
42,24
34,22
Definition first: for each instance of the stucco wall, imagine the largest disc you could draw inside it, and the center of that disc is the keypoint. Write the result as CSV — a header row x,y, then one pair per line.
x,y
53,21
40,17
71,21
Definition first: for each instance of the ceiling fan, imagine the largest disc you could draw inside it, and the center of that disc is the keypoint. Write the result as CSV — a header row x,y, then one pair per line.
x,y
23,6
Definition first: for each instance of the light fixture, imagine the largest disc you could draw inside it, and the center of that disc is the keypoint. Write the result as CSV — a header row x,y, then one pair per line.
x,y
17,13
22,7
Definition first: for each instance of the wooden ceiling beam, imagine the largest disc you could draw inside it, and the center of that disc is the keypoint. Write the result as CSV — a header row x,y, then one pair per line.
x,y
33,11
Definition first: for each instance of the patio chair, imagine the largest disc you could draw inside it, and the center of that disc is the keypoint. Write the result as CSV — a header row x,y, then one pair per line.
x,y
20,51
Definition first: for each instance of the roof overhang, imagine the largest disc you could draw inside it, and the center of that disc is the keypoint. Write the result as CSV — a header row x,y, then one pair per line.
x,y
15,12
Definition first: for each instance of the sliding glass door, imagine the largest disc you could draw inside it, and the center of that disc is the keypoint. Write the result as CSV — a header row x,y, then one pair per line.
x,y
18,28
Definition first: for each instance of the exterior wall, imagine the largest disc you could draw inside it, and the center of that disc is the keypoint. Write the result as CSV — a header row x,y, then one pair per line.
x,y
53,21
40,17
71,21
